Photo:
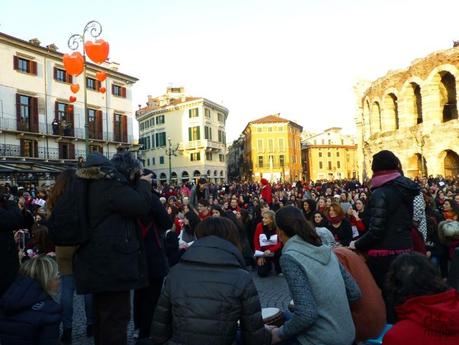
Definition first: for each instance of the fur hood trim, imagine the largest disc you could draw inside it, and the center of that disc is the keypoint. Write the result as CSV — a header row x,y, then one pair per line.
x,y
96,173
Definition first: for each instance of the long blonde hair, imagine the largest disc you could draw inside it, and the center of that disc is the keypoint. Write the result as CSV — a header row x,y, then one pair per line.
x,y
43,269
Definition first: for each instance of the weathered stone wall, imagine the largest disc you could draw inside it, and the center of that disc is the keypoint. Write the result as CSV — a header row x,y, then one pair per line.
x,y
390,109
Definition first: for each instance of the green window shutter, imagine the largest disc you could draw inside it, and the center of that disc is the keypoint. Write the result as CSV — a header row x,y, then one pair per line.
x,y
190,133
198,134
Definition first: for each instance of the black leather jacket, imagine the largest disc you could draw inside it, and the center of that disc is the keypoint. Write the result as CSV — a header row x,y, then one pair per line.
x,y
205,295
391,216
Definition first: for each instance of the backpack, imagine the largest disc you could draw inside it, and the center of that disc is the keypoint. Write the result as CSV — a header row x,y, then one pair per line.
x,y
68,224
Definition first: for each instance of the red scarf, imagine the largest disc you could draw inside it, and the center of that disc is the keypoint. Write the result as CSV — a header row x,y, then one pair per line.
x,y
382,177
335,220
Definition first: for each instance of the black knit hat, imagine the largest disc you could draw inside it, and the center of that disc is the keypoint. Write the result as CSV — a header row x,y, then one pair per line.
x,y
385,160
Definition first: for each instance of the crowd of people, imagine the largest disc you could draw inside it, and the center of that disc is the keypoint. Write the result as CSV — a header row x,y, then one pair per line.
x,y
355,257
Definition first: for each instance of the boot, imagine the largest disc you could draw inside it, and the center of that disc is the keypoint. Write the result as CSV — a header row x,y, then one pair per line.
x,y
66,337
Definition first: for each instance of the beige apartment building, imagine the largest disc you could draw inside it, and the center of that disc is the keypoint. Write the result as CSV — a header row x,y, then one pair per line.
x,y
182,137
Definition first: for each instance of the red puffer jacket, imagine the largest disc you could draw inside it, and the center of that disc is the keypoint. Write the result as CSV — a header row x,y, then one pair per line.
x,y
427,320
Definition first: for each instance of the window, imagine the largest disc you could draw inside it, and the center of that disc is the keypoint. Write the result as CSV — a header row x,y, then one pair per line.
x,y
96,148
337,154
329,154
26,113
329,142
160,139
148,162
329,165
271,145
152,141
29,148
338,164
315,142
342,141
160,120
281,144
118,91
260,145
221,157
193,112
281,160
320,154
61,75
153,161
260,161
207,132
161,159
92,84
320,165
24,65
194,133
207,113
95,123
270,129
119,127
323,141
142,126
66,151
221,137
63,120
209,156
221,117
195,156
259,129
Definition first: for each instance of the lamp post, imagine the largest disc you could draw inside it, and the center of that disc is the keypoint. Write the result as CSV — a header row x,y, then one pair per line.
x,y
171,151
420,141
94,29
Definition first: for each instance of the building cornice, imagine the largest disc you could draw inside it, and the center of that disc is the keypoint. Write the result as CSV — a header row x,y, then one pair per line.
x,y
45,52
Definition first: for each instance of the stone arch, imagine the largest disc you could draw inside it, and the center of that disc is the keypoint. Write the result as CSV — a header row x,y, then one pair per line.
x,y
390,115
375,118
449,161
162,178
215,173
416,166
411,112
442,98
174,177
196,174
208,173
366,119
185,176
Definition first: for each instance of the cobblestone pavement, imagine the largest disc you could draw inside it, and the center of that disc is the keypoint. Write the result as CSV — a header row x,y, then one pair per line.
x,y
273,292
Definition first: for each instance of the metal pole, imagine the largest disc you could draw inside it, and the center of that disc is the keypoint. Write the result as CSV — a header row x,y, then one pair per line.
x,y
46,107
169,153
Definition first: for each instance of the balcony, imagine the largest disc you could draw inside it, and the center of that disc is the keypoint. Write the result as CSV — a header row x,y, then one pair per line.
x,y
14,151
201,144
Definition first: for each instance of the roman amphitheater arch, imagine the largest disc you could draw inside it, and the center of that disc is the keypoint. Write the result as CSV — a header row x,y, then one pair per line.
x,y
442,105
375,118
390,113
411,103
414,166
366,120
449,161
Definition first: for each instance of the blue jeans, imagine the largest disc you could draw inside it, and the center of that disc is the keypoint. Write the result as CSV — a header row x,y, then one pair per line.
x,y
67,292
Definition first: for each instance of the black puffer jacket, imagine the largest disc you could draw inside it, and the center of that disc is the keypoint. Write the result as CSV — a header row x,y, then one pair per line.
x,y
391,216
114,258
205,295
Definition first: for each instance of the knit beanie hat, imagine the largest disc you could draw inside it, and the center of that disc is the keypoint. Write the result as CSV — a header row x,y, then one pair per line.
x,y
385,160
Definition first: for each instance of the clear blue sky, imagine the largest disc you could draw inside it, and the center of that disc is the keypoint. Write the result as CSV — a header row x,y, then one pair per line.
x,y
256,57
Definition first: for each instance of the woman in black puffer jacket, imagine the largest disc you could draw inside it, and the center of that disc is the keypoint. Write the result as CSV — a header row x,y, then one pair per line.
x,y
208,292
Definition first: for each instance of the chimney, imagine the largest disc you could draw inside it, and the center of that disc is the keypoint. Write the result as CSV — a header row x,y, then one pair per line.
x,y
455,44
35,41
52,47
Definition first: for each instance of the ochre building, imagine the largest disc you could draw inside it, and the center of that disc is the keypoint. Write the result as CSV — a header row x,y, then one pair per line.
x,y
412,112
273,149
329,155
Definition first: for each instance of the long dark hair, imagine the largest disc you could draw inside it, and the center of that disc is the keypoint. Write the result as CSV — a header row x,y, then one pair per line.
x,y
220,227
291,220
193,220
411,275
62,181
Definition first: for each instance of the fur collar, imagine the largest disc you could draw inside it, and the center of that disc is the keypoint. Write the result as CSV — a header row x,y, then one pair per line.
x,y
97,173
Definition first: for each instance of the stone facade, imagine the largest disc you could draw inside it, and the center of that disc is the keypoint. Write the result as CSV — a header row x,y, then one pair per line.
x,y
412,112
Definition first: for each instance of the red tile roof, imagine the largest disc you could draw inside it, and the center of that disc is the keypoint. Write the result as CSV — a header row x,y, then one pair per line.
x,y
270,119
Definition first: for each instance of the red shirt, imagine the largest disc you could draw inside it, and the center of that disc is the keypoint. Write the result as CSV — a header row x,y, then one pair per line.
x,y
256,241
427,320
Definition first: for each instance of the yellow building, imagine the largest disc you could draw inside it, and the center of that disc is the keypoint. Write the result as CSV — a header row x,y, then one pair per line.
x,y
329,155
273,149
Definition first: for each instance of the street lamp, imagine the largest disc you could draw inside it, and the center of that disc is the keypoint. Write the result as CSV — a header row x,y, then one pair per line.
x,y
171,151
93,28
420,141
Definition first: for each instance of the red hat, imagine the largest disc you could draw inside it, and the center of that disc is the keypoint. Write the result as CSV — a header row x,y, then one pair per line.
x,y
264,181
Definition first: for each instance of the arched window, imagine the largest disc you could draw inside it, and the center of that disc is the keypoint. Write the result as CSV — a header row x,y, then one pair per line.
x,y
448,101
375,120
162,178
390,119
417,102
196,173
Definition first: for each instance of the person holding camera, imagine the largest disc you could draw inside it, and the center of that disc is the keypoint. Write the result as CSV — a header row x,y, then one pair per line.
x,y
112,262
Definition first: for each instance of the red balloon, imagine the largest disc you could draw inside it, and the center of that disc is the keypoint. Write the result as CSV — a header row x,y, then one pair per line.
x,y
97,51
102,89
72,99
101,76
73,63
75,88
